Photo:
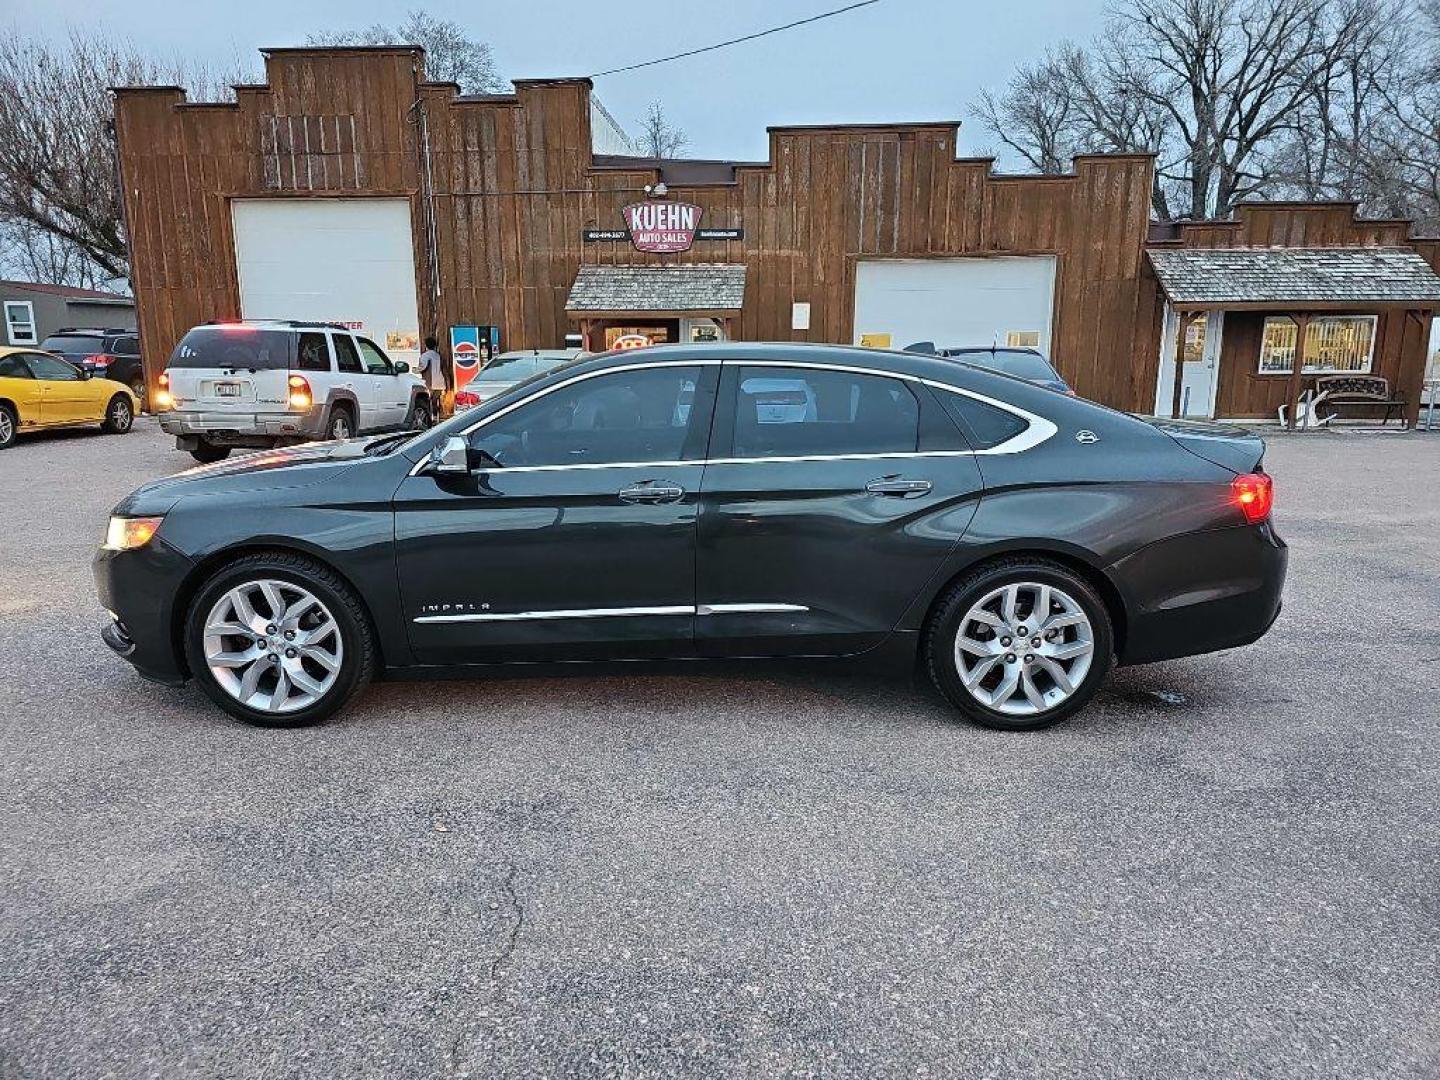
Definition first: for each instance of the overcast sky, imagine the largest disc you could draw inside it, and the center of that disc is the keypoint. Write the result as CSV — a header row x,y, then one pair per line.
x,y
895,60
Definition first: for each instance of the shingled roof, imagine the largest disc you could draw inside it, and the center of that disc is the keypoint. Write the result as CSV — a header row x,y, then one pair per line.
x,y
1295,276
680,288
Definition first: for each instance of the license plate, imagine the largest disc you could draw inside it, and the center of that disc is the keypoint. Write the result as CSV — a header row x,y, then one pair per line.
x,y
227,389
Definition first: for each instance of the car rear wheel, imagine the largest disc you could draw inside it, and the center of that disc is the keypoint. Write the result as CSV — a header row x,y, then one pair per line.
x,y
420,418
9,426
340,425
119,415
279,640
1020,644
207,452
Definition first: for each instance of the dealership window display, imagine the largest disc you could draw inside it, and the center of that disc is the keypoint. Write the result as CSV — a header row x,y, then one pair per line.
x,y
1340,343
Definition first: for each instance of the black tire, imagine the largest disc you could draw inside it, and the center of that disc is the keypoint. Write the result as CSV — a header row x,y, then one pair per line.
x,y
341,424
119,415
939,643
9,425
360,656
207,453
420,415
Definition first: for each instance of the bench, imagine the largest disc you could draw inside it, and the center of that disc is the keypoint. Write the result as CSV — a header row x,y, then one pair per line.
x,y
1364,390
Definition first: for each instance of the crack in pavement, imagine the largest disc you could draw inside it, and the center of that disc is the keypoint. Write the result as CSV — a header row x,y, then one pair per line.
x,y
497,969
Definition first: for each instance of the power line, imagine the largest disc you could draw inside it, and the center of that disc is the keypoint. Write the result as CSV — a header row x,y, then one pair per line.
x,y
735,41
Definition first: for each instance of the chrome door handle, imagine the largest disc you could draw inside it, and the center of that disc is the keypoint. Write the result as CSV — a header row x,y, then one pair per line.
x,y
651,491
896,485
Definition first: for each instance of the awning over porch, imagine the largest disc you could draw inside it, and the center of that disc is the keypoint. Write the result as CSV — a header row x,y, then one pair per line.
x,y
683,290
1312,279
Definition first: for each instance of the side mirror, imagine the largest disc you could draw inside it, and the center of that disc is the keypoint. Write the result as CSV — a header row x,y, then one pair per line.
x,y
84,375
449,458
401,367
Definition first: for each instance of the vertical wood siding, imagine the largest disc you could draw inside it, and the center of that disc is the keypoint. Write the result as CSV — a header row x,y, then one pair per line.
x,y
510,186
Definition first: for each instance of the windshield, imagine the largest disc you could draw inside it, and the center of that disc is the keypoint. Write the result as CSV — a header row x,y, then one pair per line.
x,y
510,368
1023,365
233,347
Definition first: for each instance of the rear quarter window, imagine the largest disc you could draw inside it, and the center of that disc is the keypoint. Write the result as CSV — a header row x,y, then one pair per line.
x,y
985,426
233,347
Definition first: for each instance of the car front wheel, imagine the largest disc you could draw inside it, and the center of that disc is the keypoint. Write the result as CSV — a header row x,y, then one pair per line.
x,y
1020,644
9,425
279,640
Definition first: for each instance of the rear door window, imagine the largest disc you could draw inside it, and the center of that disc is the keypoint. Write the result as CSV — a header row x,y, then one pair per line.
x,y
346,358
234,347
800,412
311,353
128,345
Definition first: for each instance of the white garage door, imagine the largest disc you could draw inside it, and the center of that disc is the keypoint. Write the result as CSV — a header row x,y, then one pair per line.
x,y
331,260
1003,300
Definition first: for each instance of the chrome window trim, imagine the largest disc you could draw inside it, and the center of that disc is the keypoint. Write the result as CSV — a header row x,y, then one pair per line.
x,y
1037,431
610,613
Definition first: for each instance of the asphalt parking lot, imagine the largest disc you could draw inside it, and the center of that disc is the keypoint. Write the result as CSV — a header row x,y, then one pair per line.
x,y
1226,867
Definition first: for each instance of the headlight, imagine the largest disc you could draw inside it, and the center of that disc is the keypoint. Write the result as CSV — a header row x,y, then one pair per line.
x,y
126,533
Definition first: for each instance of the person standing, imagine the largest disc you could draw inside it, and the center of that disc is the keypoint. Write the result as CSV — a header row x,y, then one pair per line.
x,y
432,370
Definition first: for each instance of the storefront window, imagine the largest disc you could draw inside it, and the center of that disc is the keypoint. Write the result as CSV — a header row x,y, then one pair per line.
x,y
1335,343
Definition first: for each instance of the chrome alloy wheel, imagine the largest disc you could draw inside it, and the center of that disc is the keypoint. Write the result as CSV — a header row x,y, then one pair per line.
x,y
121,415
273,646
1024,648
7,426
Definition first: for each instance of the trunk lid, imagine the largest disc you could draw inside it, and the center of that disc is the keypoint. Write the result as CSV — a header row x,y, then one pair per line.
x,y
1233,448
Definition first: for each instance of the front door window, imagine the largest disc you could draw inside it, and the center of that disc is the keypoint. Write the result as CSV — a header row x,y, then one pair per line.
x,y
628,416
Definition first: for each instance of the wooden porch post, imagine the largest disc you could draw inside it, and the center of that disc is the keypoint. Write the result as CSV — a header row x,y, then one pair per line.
x,y
585,335
1181,318
1302,326
728,325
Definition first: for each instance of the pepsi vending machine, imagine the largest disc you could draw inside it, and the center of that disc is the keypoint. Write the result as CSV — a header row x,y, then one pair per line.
x,y
471,348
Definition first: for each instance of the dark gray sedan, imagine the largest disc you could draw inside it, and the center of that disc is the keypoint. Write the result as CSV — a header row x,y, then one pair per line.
x,y
726,500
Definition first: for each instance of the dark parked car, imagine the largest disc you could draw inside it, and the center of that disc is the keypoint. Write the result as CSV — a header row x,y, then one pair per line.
x,y
731,500
1023,363
112,354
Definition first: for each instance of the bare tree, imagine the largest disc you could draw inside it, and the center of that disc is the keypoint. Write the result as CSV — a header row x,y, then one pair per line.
x,y
450,55
658,137
1032,119
60,209
1214,88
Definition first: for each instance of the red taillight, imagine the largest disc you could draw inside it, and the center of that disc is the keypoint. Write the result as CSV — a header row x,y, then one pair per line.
x,y
99,360
1254,494
300,397
163,398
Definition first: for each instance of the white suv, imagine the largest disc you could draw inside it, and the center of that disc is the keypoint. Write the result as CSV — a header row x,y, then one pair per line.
x,y
264,384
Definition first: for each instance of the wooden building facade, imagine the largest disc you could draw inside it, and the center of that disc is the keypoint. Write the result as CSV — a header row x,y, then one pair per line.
x,y
507,200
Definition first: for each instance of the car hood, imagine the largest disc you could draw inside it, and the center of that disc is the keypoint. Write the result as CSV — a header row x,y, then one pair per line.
x,y
297,466
1233,448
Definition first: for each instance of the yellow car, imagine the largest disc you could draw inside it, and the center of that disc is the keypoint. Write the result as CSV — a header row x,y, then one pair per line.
x,y
38,390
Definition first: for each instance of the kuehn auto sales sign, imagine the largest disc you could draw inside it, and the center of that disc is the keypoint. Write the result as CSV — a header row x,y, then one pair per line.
x,y
662,227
